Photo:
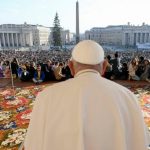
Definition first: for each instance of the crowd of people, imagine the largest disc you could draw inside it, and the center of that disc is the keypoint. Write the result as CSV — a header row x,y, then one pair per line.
x,y
39,66
128,66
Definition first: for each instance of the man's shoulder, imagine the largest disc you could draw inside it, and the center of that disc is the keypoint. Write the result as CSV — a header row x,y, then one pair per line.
x,y
115,86
62,84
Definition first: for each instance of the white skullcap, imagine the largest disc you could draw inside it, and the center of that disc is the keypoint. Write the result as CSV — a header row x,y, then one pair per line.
x,y
88,52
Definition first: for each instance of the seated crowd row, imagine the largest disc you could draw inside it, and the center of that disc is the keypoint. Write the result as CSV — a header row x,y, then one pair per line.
x,y
50,71
136,69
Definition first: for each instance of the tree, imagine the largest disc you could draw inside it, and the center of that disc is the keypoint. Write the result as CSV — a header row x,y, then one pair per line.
x,y
56,32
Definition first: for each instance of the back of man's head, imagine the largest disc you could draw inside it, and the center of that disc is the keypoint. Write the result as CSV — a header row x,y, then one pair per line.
x,y
88,52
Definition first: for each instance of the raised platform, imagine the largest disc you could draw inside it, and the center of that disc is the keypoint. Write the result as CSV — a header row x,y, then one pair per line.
x,y
6,82
15,113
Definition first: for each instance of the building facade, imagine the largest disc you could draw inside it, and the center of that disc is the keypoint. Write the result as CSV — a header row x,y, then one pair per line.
x,y
123,35
41,35
67,37
24,35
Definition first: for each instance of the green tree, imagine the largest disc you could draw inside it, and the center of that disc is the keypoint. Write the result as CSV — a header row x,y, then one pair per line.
x,y
56,32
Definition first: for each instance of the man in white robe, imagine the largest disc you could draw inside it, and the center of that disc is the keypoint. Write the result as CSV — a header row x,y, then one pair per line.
x,y
87,112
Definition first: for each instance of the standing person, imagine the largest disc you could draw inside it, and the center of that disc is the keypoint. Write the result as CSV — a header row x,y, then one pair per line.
x,y
14,68
115,67
87,112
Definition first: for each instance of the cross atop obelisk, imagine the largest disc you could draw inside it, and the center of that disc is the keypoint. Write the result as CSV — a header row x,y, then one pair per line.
x,y
77,23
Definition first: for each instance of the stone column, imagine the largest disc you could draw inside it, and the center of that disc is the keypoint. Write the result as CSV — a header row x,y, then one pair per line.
x,y
127,39
12,39
131,42
135,39
17,39
139,37
23,39
8,40
0,40
143,37
123,38
4,43
147,37
31,40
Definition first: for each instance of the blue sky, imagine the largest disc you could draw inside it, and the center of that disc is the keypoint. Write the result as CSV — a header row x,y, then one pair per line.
x,y
93,13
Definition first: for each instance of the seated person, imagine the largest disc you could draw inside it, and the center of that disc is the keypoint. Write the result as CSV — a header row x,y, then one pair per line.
x,y
107,68
24,74
7,73
140,67
19,70
58,72
124,74
132,70
39,75
49,74
31,70
146,73
66,71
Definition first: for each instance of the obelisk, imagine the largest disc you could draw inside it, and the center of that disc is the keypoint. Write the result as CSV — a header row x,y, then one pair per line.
x,y
77,23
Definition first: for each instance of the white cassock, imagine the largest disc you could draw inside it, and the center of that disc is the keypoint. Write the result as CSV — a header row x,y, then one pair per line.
x,y
87,112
